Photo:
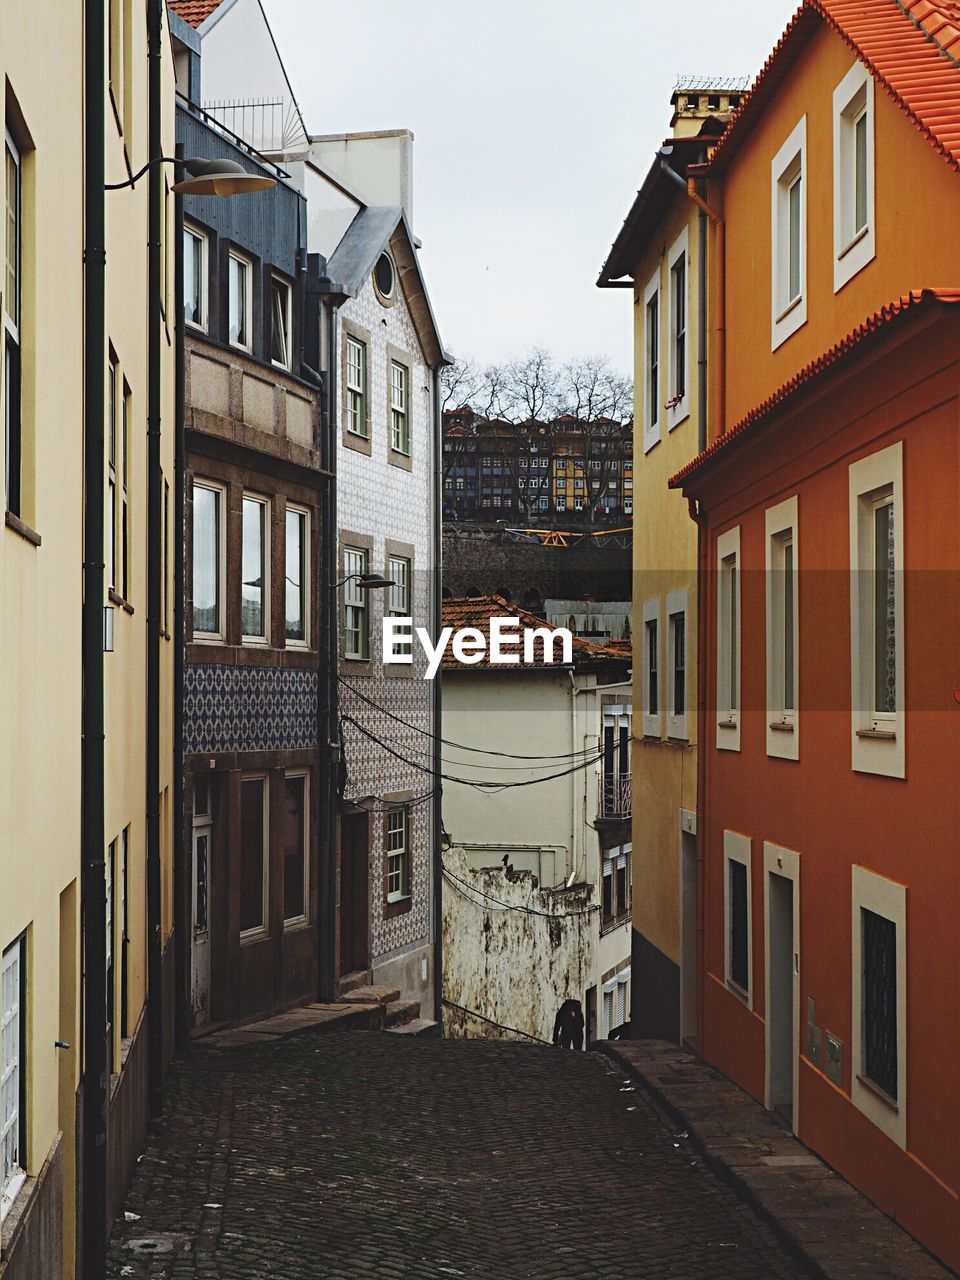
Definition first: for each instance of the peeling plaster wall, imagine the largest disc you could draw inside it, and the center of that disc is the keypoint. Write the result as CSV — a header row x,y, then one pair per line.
x,y
512,967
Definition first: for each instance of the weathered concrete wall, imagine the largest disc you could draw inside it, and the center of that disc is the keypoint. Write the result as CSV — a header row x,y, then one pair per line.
x,y
32,1236
485,560
507,964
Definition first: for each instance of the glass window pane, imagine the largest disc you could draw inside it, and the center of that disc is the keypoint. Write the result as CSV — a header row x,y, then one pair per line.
x,y
793,285
279,345
788,606
294,852
652,690
206,560
739,925
296,575
11,298
879,983
238,320
885,611
860,172
192,278
252,800
732,614
679,666
254,561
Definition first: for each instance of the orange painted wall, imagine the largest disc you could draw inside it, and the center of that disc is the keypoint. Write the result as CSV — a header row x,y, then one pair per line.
x,y
914,249
905,386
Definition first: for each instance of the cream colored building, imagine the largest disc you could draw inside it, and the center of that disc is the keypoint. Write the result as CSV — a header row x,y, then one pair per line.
x,y
41,562
658,254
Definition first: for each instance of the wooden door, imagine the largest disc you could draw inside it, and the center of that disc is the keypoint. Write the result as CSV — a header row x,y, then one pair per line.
x,y
354,892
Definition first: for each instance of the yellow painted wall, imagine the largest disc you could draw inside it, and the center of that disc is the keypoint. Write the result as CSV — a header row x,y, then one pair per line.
x,y
908,254
664,560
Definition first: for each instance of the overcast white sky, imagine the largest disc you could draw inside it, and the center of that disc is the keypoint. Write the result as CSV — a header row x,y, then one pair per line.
x,y
535,123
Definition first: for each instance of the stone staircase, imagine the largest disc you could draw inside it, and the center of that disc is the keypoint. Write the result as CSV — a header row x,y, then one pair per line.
x,y
401,1017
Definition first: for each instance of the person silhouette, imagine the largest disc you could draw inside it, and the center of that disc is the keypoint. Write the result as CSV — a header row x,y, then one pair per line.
x,y
568,1026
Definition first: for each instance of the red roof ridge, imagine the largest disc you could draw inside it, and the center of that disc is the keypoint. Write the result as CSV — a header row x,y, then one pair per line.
x,y
195,12
910,47
475,611
878,320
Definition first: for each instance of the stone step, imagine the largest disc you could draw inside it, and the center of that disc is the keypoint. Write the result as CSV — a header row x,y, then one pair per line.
x,y
350,981
416,1027
397,1012
371,995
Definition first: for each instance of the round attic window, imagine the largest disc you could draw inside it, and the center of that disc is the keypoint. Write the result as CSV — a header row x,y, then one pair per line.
x,y
385,277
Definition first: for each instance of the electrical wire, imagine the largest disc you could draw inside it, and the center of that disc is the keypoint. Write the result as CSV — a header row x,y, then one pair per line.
x,y
510,906
546,763
515,1031
460,746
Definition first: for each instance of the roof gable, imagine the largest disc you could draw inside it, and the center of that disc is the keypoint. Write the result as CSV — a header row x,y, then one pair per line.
x,y
194,12
477,611
901,44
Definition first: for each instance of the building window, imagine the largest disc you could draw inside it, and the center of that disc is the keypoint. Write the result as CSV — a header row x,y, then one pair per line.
x,y
854,237
113,402
194,278
356,636
109,1014
12,1066
295,844
789,235
124,512
651,668
165,583
255,569
239,294
385,277
738,946
398,598
677,664
12,325
651,362
677,405
399,415
280,322
728,640
254,848
783,633
208,553
297,571
879,967
460,484
398,853
357,387
877,662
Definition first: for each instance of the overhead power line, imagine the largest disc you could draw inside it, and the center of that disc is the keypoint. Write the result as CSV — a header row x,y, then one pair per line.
x,y
512,906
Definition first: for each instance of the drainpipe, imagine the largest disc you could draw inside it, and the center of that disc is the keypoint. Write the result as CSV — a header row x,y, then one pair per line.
x,y
437,799
701,331
698,514
95,1082
154,567
182,921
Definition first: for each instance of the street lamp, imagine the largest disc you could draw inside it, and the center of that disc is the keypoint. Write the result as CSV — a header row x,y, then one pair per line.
x,y
207,177
366,581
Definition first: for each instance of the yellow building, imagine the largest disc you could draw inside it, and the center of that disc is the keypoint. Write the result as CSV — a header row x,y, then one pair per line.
x,y
44,793
658,254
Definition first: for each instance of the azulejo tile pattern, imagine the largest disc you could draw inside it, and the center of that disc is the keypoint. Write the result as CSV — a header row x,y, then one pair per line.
x,y
229,708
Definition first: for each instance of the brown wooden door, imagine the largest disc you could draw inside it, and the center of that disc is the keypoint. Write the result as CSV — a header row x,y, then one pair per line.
x,y
354,892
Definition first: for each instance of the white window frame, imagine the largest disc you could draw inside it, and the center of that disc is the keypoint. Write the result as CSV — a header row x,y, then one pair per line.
x,y
885,898
677,607
277,279
728,717
247,263
293,922
788,314
201,237
264,503
261,930
356,390
878,740
403,893
737,848
680,248
783,725
354,597
852,249
651,719
12,1013
400,408
304,514
399,602
651,404
12,333
215,637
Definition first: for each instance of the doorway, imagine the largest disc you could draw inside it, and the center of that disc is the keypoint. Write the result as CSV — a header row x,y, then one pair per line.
x,y
200,902
782,1011
354,892
688,930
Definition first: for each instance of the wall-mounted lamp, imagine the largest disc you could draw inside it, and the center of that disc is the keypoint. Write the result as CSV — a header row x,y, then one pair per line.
x,y
206,177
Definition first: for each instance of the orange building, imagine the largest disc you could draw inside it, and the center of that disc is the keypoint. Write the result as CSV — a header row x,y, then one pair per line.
x,y
829,955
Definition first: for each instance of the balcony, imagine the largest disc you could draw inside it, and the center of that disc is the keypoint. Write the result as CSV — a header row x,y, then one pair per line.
x,y
615,797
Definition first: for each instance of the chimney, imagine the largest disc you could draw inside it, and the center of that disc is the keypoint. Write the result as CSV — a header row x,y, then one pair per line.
x,y
697,98
378,167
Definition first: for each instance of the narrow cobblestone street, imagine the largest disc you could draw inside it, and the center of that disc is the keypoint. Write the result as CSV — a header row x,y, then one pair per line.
x,y
362,1153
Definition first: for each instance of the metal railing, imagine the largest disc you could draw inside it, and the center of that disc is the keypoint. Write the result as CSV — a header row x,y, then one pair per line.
x,y
615,796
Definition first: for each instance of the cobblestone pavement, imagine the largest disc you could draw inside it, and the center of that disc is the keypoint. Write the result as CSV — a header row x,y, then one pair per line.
x,y
365,1154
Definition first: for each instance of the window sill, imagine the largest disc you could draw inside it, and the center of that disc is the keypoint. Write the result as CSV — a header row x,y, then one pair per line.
x,y
866,1083
878,735
864,231
296,924
22,529
399,907
736,990
397,458
726,724
791,306
781,726
116,598
249,936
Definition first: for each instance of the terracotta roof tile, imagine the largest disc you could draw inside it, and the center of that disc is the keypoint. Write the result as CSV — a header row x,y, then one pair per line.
x,y
476,611
902,43
844,348
194,11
